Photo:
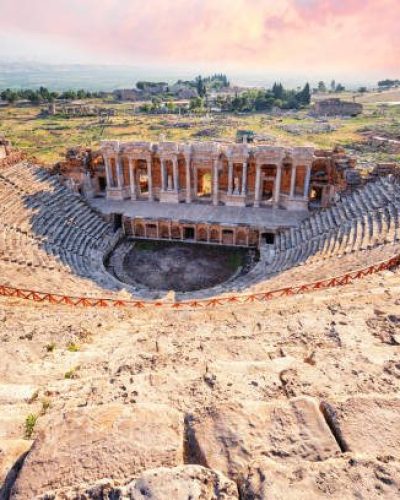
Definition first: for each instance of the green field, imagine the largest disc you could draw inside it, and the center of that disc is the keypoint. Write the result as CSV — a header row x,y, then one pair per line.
x,y
47,137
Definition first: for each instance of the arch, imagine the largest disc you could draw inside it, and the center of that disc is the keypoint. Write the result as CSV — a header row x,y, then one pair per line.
x,y
204,183
286,178
227,236
139,230
214,235
164,231
175,232
241,237
300,180
202,234
151,230
125,171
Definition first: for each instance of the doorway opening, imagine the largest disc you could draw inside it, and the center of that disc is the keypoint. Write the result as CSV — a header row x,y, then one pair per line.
x,y
188,233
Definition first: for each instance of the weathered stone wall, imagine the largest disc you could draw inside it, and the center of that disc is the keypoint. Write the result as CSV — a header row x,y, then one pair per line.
x,y
336,107
8,154
242,171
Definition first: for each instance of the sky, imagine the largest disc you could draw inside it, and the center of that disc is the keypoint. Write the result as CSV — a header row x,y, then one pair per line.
x,y
310,37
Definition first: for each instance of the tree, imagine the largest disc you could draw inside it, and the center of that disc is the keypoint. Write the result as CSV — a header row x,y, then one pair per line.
x,y
388,83
196,103
304,96
278,91
200,86
9,95
362,90
171,107
69,94
321,86
340,88
333,85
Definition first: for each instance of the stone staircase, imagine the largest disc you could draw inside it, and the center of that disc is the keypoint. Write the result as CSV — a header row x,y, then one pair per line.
x,y
46,227
363,220
360,230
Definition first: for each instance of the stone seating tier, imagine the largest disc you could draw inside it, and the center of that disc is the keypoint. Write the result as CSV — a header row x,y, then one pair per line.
x,y
56,240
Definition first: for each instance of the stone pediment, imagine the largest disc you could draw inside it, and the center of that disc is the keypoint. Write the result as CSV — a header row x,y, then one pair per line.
x,y
137,149
269,154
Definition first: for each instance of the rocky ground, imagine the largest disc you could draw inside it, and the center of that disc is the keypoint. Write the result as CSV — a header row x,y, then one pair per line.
x,y
297,398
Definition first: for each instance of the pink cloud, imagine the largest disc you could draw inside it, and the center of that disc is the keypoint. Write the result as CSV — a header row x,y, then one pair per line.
x,y
265,33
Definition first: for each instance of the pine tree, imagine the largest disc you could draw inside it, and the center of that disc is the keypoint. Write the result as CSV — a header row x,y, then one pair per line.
x,y
304,96
278,90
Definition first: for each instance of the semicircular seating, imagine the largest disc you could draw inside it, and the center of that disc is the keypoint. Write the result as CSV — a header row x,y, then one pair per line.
x,y
52,240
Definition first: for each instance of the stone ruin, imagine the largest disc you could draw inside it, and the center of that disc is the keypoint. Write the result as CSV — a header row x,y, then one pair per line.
x,y
238,174
8,154
77,109
336,107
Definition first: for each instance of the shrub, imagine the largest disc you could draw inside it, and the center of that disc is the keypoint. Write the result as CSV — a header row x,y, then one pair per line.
x,y
71,374
30,423
50,347
73,347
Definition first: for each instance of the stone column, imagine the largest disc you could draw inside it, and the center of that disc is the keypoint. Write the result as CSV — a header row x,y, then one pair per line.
x,y
307,182
277,190
132,175
176,174
188,185
163,175
257,194
196,181
215,184
149,178
293,181
120,178
244,179
230,176
108,173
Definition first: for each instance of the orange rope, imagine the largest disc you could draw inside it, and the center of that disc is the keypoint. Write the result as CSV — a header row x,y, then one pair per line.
x,y
54,298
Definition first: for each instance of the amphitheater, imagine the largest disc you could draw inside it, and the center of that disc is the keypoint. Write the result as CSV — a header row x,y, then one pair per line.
x,y
276,378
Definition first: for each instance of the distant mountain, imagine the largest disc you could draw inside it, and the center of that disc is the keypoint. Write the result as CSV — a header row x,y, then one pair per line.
x,y
77,76
107,77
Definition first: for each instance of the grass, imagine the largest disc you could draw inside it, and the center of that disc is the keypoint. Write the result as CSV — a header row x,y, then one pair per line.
x,y
45,406
47,138
30,423
72,373
50,347
73,347
234,260
145,246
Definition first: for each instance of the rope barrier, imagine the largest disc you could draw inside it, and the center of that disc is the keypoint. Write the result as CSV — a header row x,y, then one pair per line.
x,y
331,282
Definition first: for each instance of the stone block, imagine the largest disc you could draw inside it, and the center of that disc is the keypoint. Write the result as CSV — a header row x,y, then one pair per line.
x,y
366,425
112,441
228,437
342,478
181,483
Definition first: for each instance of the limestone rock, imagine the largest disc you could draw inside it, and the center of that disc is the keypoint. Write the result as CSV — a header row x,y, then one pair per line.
x,y
335,478
12,452
180,483
228,437
367,425
111,441
13,393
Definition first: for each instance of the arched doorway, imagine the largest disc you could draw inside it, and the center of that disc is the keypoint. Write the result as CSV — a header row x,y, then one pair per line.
x,y
204,184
